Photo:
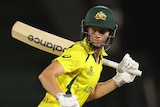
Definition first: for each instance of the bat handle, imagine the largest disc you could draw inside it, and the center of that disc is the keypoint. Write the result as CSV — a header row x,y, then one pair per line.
x,y
113,64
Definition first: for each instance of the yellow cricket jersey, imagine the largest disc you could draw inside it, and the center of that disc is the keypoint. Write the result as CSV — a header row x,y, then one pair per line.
x,y
81,73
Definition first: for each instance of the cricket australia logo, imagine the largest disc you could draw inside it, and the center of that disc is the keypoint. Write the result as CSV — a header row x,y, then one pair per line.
x,y
100,16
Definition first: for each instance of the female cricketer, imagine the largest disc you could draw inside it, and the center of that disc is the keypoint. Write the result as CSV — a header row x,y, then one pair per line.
x,y
72,78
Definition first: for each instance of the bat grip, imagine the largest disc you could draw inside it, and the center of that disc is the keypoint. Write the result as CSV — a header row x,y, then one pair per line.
x,y
113,64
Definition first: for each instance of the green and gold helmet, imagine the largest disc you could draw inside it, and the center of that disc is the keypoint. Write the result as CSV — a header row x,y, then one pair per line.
x,y
100,16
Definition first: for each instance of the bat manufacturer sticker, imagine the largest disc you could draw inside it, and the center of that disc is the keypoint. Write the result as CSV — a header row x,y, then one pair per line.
x,y
46,43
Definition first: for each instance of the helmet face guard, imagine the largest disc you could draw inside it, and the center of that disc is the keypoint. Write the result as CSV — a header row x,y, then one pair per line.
x,y
109,41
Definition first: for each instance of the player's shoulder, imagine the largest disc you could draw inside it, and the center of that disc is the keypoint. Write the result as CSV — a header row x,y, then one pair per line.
x,y
76,46
76,49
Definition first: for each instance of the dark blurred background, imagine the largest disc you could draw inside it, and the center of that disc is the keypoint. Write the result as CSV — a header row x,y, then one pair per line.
x,y
137,35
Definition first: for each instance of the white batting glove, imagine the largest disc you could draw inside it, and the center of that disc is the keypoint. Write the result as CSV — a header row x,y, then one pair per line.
x,y
123,78
67,100
128,64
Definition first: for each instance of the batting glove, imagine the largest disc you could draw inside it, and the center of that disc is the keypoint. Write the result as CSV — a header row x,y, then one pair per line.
x,y
67,100
123,78
129,65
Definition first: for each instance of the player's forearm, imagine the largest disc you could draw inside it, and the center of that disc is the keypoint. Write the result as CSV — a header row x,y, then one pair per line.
x,y
102,88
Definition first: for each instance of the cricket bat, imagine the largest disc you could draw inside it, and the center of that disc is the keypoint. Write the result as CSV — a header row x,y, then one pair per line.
x,y
48,42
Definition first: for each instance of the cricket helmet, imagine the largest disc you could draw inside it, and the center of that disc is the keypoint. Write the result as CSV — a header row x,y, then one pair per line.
x,y
100,16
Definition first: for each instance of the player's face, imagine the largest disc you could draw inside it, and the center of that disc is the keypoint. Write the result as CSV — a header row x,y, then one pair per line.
x,y
98,36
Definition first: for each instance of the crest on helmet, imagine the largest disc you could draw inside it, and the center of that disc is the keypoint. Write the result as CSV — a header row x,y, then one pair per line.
x,y
100,15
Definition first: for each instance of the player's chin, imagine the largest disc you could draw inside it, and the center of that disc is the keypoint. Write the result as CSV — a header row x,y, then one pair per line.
x,y
97,44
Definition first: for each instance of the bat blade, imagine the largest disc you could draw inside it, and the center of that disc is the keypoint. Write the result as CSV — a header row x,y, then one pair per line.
x,y
48,42
39,39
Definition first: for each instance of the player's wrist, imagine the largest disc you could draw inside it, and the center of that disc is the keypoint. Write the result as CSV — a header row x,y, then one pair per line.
x,y
119,81
123,78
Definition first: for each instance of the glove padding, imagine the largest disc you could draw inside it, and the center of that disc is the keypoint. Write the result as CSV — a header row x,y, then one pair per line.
x,y
67,100
128,64
123,78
